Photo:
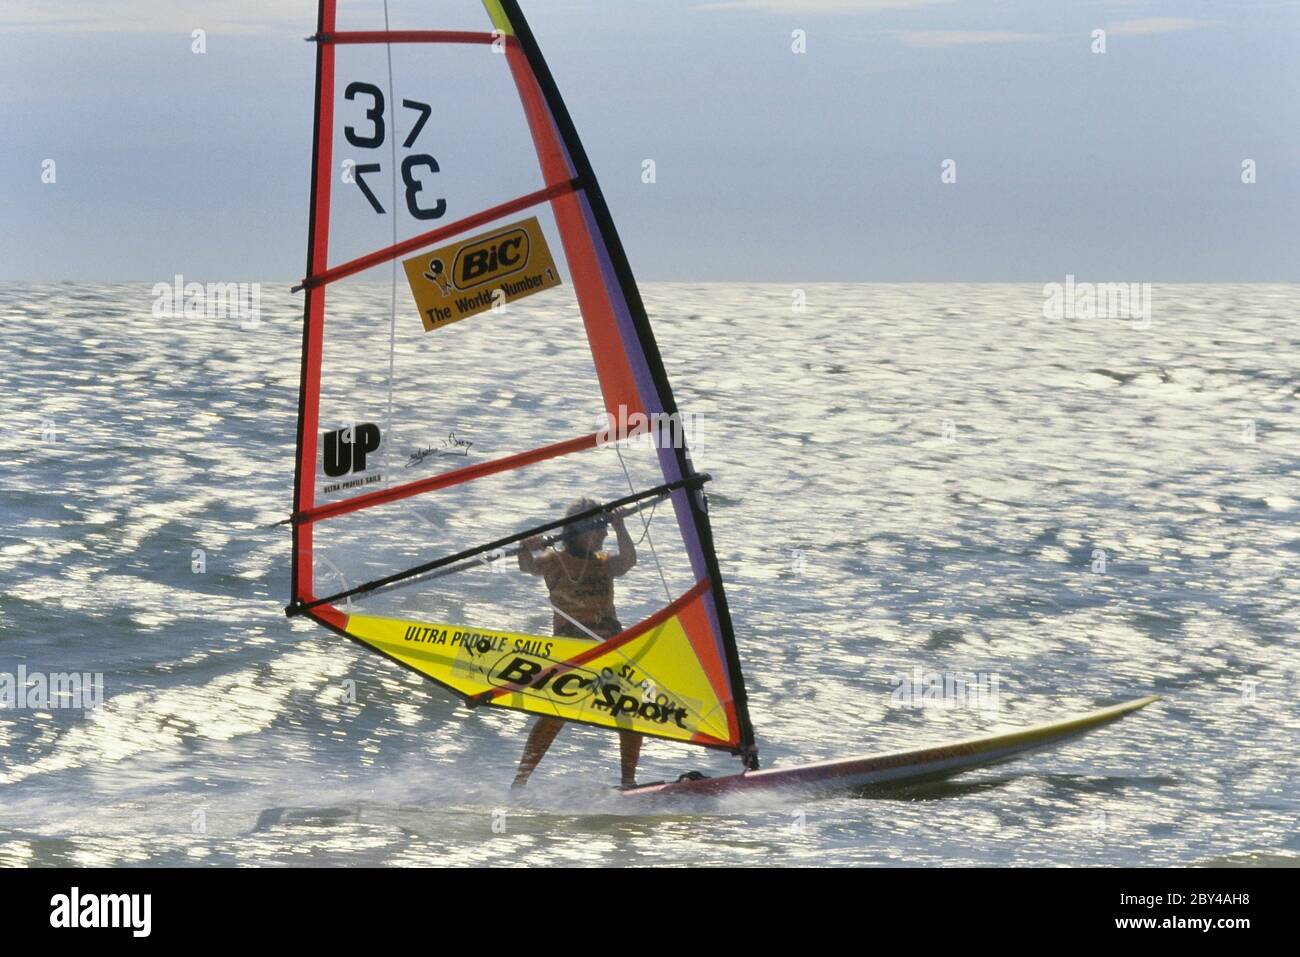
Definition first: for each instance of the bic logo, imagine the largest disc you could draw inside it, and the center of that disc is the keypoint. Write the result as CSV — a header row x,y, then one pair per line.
x,y
346,449
492,258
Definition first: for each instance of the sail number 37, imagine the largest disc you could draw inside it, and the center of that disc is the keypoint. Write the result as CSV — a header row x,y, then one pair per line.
x,y
414,167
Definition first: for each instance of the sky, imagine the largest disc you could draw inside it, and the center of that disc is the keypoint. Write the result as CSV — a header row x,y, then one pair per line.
x,y
771,165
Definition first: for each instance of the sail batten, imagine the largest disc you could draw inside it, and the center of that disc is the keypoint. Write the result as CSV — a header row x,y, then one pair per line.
x,y
437,456
389,253
448,479
405,36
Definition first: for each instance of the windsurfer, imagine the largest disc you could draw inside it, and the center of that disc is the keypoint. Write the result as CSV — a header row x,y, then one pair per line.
x,y
580,580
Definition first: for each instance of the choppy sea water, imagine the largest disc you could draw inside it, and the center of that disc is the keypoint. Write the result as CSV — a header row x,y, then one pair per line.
x,y
929,477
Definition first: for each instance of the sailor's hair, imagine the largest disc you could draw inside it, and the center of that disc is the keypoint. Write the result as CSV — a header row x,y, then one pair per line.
x,y
574,529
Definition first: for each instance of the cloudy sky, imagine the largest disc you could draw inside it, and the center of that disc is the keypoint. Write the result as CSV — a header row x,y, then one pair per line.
x,y
771,165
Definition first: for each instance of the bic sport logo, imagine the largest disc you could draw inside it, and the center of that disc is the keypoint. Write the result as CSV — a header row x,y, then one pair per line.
x,y
572,685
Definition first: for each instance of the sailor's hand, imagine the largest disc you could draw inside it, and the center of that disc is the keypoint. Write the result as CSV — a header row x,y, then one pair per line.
x,y
533,544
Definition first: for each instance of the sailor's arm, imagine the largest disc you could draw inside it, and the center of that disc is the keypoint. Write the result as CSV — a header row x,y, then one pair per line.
x,y
529,562
626,558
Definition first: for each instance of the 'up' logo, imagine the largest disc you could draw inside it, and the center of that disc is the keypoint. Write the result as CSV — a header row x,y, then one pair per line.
x,y
346,449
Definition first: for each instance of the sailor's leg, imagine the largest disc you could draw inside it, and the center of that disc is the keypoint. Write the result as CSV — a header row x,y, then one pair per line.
x,y
539,739
629,746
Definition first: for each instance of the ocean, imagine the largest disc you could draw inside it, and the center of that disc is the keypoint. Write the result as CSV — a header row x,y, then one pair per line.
x,y
909,481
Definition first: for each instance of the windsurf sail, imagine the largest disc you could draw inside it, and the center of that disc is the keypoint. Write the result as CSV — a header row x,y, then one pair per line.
x,y
477,357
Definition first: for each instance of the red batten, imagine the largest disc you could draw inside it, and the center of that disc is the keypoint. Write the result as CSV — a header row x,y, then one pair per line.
x,y
448,479
381,256
408,36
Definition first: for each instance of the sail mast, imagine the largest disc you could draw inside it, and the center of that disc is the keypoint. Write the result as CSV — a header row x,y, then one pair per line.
x,y
313,304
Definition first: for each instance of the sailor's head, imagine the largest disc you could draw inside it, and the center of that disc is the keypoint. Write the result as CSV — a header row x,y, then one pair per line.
x,y
584,537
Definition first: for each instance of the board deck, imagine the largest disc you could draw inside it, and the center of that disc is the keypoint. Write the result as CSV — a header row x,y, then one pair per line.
x,y
895,767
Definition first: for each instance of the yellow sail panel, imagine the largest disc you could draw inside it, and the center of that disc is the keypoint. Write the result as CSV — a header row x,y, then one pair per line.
x,y
654,681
